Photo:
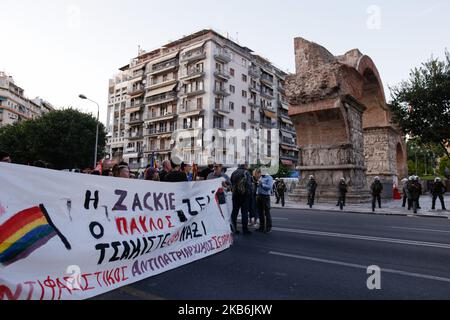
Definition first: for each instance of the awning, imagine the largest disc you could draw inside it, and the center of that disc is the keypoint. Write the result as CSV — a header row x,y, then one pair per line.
x,y
195,46
165,58
131,110
284,105
165,136
287,162
161,90
287,148
136,95
287,121
270,114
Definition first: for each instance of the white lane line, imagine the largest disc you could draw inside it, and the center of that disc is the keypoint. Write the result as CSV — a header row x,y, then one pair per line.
x,y
367,238
420,229
359,266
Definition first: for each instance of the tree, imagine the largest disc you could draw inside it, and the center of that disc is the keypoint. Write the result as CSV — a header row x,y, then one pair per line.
x,y
63,138
421,105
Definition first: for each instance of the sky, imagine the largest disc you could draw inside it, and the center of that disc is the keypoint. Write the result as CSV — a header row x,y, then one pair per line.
x,y
57,49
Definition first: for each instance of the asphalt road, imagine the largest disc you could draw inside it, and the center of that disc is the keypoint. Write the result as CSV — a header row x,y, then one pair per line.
x,y
316,255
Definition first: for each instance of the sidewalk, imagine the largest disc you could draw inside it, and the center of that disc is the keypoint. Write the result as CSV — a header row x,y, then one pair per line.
x,y
391,207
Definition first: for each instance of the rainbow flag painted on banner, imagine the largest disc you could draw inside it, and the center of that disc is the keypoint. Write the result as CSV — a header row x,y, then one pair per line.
x,y
24,233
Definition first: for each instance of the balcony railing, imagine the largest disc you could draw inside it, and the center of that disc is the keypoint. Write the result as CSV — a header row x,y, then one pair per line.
x,y
254,103
136,90
189,108
255,88
267,94
135,120
161,98
223,56
193,93
222,74
221,91
193,56
254,72
159,67
138,135
196,72
267,79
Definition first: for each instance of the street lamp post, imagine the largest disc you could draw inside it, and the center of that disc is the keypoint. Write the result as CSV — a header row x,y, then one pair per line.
x,y
82,96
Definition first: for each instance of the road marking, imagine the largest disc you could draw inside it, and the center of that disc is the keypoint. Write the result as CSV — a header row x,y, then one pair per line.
x,y
139,293
359,266
420,229
367,238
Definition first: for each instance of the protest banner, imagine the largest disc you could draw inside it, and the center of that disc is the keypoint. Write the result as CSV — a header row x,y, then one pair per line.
x,y
67,236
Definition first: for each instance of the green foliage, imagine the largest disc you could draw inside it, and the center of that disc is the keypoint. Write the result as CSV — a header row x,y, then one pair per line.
x,y
444,163
421,105
63,138
283,171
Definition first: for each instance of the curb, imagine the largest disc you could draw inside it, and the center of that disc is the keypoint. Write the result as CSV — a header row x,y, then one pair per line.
x,y
369,213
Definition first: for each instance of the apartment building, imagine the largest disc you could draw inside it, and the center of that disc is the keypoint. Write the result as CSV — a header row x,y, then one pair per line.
x,y
198,85
15,106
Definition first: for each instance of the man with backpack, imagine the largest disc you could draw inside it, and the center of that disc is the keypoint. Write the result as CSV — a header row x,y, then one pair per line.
x,y
241,182
376,188
281,189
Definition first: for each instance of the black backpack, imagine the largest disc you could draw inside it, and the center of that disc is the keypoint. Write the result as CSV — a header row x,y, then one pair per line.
x,y
240,186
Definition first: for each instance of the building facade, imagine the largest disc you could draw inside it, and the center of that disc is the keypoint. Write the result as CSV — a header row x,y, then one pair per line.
x,y
201,82
15,106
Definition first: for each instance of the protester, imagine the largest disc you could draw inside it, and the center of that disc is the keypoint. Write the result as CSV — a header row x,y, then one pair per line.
x,y
274,190
438,191
253,210
166,168
415,190
241,182
176,175
121,170
5,157
281,191
376,189
151,174
203,175
311,187
218,173
265,185
342,192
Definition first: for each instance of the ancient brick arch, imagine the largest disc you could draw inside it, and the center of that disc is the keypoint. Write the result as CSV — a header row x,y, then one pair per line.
x,y
343,123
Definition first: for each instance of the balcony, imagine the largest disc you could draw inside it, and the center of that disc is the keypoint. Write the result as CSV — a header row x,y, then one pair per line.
x,y
253,121
154,132
192,109
157,85
255,88
287,128
222,109
221,91
268,124
138,74
266,79
193,56
161,98
164,67
254,104
137,90
193,93
283,104
254,72
135,136
192,74
222,56
135,121
156,117
267,94
222,75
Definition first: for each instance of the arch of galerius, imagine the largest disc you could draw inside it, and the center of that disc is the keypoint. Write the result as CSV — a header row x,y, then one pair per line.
x,y
344,125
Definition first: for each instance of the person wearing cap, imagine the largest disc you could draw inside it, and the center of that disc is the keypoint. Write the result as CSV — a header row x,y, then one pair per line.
x,y
415,189
342,193
311,187
376,188
438,191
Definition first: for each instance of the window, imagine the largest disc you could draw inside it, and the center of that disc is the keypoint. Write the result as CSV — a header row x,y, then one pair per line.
x,y
232,72
243,126
232,89
231,106
244,109
244,94
199,103
231,123
244,78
